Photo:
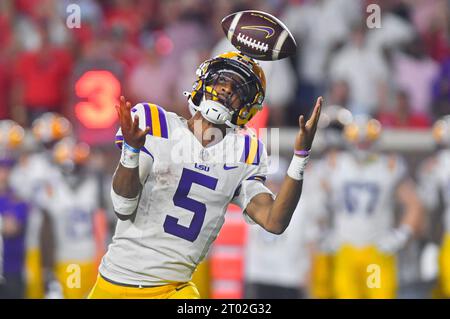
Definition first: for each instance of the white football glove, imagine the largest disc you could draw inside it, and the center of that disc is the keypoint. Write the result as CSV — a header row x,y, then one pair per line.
x,y
52,287
328,242
395,240
54,290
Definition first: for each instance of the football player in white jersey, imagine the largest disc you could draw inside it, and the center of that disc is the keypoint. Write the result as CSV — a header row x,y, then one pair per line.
x,y
176,178
434,178
364,186
71,199
331,125
13,214
37,168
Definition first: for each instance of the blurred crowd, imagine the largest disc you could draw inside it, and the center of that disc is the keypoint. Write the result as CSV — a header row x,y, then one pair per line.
x,y
397,70
398,74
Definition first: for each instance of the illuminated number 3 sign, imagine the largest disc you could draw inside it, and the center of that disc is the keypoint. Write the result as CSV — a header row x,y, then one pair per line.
x,y
100,91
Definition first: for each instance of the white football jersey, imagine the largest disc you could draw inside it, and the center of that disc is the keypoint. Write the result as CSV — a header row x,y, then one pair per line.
x,y
26,179
434,179
30,174
362,197
186,191
283,260
72,210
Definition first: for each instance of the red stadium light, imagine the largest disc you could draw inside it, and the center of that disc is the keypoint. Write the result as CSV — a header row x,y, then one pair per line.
x,y
100,91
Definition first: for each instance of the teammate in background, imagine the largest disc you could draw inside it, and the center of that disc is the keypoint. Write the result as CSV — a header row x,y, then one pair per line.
x,y
434,179
277,267
363,187
14,216
331,125
71,200
176,178
36,165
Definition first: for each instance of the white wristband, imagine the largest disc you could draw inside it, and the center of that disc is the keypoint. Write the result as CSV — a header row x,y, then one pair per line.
x,y
129,157
297,167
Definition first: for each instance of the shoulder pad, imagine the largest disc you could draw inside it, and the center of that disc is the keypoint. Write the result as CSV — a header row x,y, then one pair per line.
x,y
155,118
150,115
252,152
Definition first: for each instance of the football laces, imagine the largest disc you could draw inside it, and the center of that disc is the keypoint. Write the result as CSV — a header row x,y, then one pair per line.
x,y
252,43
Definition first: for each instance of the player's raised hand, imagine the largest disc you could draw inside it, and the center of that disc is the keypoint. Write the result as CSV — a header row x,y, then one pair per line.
x,y
307,130
132,134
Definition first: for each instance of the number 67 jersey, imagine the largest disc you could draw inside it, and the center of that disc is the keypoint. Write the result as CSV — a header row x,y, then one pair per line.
x,y
363,196
186,191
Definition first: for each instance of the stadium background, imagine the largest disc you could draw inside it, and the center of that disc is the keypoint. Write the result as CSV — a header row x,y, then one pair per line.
x,y
148,50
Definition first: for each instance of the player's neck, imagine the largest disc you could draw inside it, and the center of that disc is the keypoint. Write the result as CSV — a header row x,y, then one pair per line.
x,y
206,132
364,157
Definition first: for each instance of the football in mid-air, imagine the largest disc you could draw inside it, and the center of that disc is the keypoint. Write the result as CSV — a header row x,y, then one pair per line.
x,y
259,35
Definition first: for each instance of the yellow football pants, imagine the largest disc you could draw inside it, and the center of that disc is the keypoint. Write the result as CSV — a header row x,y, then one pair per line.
x,y
364,272
322,276
76,278
33,271
106,290
202,279
444,268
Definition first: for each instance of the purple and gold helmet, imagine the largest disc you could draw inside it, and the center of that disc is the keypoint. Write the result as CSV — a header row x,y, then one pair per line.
x,y
362,130
51,127
69,151
441,131
12,137
248,86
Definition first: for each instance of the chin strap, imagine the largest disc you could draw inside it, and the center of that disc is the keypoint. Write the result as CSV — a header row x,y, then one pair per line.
x,y
212,111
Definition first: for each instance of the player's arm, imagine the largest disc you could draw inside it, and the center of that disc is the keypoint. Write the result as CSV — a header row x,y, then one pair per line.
x,y
412,207
47,242
428,185
47,245
274,215
410,223
126,184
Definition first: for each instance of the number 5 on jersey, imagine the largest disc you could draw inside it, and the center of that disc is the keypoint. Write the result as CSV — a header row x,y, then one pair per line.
x,y
181,199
